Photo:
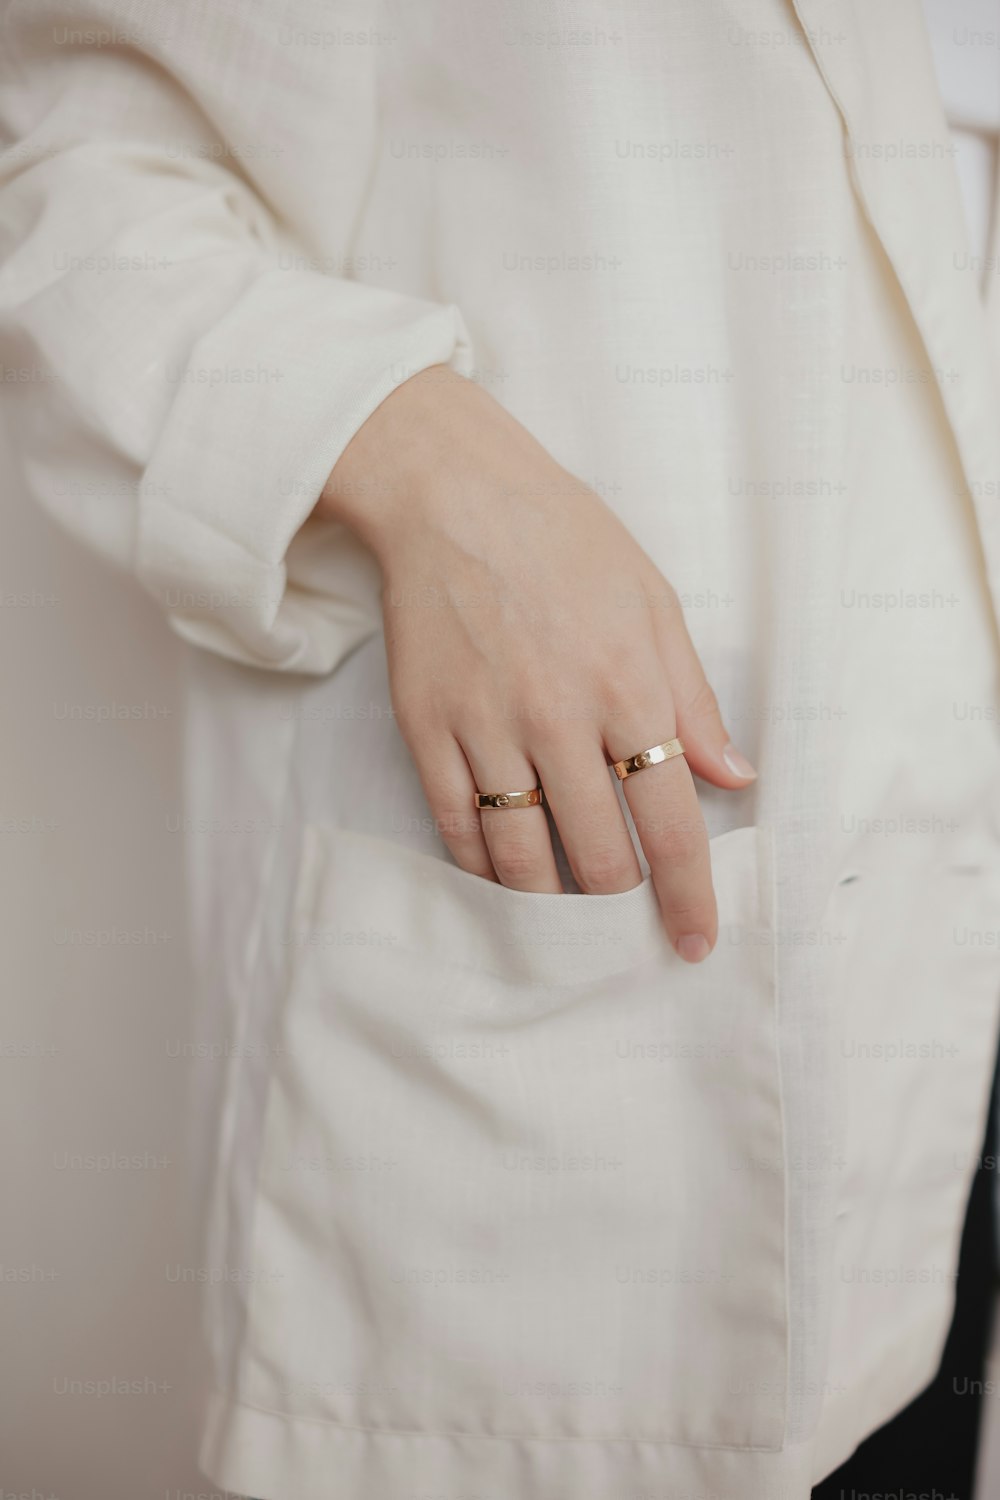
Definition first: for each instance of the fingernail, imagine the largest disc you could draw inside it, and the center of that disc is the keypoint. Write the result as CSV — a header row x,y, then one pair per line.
x,y
692,947
738,763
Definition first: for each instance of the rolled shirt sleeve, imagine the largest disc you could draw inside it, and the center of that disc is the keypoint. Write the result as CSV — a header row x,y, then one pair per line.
x,y
178,395
246,449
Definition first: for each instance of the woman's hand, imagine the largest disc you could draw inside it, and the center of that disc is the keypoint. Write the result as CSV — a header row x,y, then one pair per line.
x,y
530,640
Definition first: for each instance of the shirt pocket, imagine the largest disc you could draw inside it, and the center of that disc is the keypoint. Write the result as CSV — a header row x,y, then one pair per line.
x,y
912,1059
523,1168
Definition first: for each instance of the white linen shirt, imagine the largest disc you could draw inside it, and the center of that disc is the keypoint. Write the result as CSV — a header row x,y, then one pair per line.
x,y
532,1208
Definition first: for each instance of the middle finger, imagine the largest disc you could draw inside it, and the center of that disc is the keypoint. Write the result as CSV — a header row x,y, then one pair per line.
x,y
583,801
668,819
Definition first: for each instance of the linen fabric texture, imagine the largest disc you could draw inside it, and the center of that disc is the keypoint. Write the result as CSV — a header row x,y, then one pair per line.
x,y
531,1207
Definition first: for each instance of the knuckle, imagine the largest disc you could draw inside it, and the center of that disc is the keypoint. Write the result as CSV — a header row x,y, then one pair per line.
x,y
628,683
677,842
558,721
604,871
703,704
460,828
670,596
668,614
542,726
516,862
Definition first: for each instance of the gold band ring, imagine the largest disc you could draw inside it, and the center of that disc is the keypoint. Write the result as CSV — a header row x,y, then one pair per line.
x,y
510,799
650,757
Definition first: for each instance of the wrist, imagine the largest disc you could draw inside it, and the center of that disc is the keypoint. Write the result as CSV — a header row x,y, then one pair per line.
x,y
399,458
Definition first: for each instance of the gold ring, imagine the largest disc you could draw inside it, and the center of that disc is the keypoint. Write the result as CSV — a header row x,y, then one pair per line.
x,y
650,757
510,799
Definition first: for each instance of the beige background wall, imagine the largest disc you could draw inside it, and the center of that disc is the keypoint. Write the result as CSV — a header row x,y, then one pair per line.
x,y
89,1037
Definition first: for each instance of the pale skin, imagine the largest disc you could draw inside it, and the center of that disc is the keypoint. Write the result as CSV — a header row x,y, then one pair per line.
x,y
531,640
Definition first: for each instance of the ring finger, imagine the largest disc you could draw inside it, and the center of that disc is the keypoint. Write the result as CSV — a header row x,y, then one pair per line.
x,y
517,837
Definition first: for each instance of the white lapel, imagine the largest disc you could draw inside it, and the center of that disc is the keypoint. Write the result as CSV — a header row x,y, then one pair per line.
x,y
875,58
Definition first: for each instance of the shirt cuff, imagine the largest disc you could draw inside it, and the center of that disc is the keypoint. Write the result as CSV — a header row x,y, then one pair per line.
x,y
266,405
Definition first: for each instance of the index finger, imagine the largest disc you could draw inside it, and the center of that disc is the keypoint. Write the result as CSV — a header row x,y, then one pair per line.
x,y
668,819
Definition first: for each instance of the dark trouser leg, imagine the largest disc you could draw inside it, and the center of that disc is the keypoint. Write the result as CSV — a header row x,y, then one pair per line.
x,y
931,1445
